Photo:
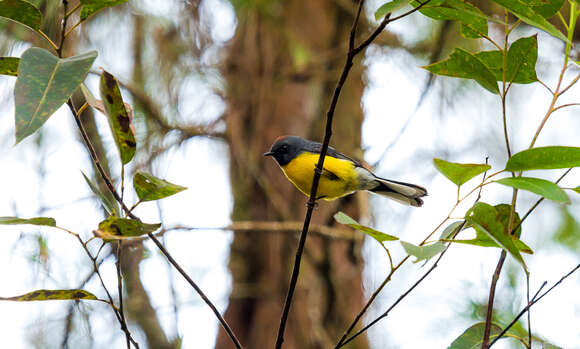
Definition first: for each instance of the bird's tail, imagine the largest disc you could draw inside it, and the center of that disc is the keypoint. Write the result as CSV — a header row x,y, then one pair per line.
x,y
404,193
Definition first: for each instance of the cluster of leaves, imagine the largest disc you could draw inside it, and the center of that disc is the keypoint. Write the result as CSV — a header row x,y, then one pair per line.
x,y
44,83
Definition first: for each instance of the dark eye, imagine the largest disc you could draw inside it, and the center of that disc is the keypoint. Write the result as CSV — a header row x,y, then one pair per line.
x,y
284,147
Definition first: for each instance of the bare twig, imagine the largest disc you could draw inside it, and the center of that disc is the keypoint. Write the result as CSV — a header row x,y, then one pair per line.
x,y
343,341
130,214
198,290
317,172
120,290
530,304
488,315
402,296
352,52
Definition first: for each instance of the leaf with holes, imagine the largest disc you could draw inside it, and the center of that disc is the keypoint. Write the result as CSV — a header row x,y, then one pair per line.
x,y
538,186
49,295
9,66
44,83
149,187
47,221
119,118
90,7
108,203
21,12
459,173
122,228
544,158
463,64
343,218
489,220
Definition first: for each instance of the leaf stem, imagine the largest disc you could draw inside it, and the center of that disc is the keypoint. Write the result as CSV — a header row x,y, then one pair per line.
x,y
72,10
45,37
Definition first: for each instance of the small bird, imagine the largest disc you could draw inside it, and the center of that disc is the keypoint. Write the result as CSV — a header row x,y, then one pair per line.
x,y
341,175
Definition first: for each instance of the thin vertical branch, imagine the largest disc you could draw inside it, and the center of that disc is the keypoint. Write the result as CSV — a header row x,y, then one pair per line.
x,y
120,290
495,277
352,52
317,172
534,301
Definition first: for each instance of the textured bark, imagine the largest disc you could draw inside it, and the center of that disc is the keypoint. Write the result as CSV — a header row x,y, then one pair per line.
x,y
281,69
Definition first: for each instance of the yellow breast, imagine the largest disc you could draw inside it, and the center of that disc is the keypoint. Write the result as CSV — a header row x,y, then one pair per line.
x,y
300,171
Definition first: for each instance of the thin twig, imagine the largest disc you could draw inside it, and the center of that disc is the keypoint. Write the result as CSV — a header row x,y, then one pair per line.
x,y
130,214
63,29
343,341
565,106
534,301
96,161
402,296
488,315
198,290
388,278
317,172
120,290
353,51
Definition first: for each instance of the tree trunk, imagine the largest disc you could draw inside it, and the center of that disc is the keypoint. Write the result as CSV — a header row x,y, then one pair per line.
x,y
281,69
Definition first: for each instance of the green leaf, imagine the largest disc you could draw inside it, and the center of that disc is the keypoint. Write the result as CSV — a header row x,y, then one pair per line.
x,y
90,7
117,228
119,118
489,220
473,21
450,230
523,10
577,189
343,218
44,83
546,8
50,222
48,295
546,345
21,12
538,186
149,187
521,61
108,204
89,97
9,65
459,173
568,233
390,7
473,336
424,252
462,64
544,158
482,239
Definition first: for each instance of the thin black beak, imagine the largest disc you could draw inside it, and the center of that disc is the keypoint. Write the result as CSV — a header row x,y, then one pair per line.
x,y
270,153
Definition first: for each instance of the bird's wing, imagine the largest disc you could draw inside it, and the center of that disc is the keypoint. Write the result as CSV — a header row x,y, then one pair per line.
x,y
315,147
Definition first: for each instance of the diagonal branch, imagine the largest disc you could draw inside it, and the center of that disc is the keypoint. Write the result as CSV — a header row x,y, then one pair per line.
x,y
111,188
534,301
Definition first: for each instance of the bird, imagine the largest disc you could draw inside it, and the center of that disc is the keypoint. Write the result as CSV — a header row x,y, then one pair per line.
x,y
341,175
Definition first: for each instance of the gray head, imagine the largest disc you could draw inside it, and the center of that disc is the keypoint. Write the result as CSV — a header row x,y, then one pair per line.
x,y
286,148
